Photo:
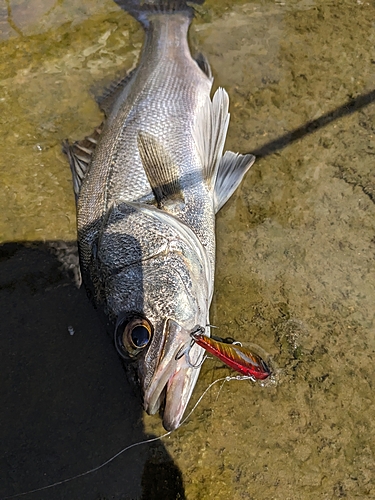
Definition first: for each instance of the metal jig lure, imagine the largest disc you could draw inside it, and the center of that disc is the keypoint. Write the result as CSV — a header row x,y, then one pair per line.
x,y
233,355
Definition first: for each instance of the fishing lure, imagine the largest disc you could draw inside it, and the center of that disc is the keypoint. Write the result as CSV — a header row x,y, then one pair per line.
x,y
234,355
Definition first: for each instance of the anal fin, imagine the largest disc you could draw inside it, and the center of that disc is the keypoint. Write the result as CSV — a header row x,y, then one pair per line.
x,y
79,154
231,169
204,65
210,132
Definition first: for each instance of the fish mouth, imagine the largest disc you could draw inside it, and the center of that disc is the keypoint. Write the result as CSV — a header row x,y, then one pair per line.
x,y
175,377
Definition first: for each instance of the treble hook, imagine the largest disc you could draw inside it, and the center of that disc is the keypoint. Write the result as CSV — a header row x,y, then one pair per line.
x,y
186,350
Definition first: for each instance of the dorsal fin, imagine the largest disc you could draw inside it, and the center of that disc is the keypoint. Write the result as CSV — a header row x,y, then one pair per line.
x,y
210,132
162,173
79,154
112,92
231,169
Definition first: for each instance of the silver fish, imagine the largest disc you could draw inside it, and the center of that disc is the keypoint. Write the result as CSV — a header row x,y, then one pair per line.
x,y
148,183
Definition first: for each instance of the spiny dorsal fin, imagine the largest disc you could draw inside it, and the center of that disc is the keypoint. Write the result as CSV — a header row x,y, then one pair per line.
x,y
231,169
112,92
210,132
79,154
162,173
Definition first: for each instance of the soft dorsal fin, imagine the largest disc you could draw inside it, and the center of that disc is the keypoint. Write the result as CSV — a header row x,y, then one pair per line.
x,y
231,169
79,154
162,173
112,92
210,132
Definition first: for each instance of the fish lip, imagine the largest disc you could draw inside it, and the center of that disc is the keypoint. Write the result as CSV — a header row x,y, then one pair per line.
x,y
176,393
174,379
153,395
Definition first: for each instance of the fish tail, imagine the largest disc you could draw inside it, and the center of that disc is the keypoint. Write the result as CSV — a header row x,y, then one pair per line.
x,y
142,9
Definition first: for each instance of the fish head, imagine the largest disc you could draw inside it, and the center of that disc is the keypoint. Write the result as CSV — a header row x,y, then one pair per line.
x,y
166,375
157,300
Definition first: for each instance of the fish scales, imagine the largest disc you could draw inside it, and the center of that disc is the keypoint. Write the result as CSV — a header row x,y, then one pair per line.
x,y
146,204
163,91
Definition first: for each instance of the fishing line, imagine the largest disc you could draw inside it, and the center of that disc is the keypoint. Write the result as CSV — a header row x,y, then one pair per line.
x,y
151,440
218,394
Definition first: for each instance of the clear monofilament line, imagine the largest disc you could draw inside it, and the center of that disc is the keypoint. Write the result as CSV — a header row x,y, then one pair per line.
x,y
139,443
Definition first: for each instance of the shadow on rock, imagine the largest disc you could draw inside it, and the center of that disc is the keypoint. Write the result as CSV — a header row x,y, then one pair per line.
x,y
66,404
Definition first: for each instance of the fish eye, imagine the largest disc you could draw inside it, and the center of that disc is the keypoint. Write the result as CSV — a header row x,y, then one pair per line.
x,y
140,336
132,336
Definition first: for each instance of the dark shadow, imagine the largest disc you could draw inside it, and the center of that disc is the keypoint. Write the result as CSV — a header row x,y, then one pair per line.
x,y
160,470
66,405
346,109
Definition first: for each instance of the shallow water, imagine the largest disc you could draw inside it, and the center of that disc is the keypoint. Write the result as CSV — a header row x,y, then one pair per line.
x,y
296,245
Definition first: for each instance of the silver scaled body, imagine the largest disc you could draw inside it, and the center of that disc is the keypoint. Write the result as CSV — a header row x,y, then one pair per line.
x,y
146,204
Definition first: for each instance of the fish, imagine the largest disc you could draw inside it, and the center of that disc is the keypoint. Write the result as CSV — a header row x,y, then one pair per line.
x,y
148,183
239,358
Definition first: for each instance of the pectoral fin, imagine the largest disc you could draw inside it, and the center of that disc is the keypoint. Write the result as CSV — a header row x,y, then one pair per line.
x,y
231,169
162,173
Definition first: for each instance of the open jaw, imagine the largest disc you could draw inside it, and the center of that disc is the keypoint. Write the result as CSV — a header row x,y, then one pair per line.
x,y
174,380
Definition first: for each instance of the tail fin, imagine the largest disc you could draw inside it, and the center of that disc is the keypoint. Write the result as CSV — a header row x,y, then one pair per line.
x,y
141,9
